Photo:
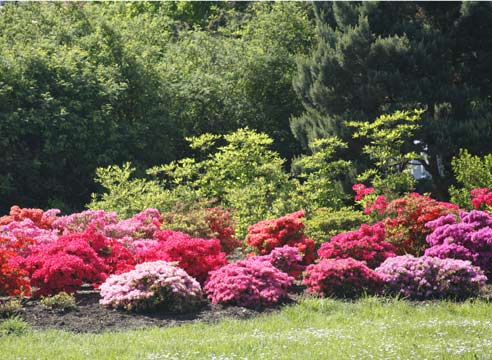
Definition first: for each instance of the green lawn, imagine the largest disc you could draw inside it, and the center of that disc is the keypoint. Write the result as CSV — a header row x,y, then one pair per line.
x,y
314,329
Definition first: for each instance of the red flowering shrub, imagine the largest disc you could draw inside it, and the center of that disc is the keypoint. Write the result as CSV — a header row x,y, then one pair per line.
x,y
250,283
365,244
343,278
196,256
64,265
220,222
481,198
267,235
13,279
39,217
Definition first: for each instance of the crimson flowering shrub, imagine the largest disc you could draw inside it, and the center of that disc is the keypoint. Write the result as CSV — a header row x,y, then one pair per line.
x,y
220,222
196,256
404,218
64,265
151,286
13,278
481,198
342,278
41,219
267,235
466,237
366,244
430,277
253,282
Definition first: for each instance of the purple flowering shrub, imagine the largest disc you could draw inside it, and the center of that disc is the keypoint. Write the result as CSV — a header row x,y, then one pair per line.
x,y
250,283
428,277
343,278
151,286
467,238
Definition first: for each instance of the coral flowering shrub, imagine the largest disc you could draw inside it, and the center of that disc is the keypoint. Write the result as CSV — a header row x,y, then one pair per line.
x,y
466,237
365,244
151,286
196,256
342,278
267,235
250,283
64,265
430,277
42,219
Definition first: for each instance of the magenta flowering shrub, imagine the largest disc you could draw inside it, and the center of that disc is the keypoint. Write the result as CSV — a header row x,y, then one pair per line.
x,y
342,278
287,259
428,277
151,286
252,283
365,244
468,237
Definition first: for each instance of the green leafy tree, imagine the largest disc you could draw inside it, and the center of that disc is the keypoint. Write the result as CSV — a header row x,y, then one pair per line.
x,y
378,57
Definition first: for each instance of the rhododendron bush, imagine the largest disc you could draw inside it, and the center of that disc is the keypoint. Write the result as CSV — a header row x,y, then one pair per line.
x,y
267,235
250,283
430,277
366,244
287,259
343,278
467,237
155,285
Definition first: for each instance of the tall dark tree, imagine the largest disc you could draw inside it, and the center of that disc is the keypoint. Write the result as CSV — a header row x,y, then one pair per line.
x,y
374,58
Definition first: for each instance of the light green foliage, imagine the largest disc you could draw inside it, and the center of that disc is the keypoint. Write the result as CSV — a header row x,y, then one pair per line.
x,y
10,307
369,328
320,176
323,223
14,326
471,172
61,301
390,147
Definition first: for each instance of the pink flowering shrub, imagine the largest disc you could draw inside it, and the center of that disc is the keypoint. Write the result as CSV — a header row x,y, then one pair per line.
x,y
287,259
79,222
365,244
41,219
151,286
64,265
342,278
140,226
26,228
250,283
481,198
267,235
196,256
467,237
430,277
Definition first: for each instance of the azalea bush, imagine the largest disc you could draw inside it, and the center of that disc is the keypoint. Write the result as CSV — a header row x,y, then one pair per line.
x,y
13,277
287,259
152,286
196,256
366,244
250,283
40,218
467,237
481,198
428,277
342,278
267,235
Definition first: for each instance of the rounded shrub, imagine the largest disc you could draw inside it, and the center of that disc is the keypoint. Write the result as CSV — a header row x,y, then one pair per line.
x,y
428,277
151,286
342,278
253,282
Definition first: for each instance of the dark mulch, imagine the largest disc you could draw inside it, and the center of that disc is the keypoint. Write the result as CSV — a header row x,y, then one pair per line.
x,y
89,316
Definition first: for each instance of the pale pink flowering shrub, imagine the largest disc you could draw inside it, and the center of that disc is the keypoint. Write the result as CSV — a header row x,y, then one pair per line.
x,y
152,286
79,222
26,228
430,277
467,237
253,282
140,226
342,278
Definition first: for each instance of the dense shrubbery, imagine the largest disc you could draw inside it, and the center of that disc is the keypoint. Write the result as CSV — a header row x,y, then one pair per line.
x,y
430,277
152,286
250,283
344,278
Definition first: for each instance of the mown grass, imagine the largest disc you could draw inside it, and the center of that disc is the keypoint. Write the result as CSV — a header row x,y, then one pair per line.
x,y
370,328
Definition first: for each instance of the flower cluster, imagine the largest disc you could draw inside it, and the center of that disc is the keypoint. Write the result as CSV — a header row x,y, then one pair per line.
x,y
287,259
362,191
266,235
470,238
343,278
365,244
13,278
196,256
41,219
250,283
140,226
429,277
151,286
221,224
79,222
481,198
